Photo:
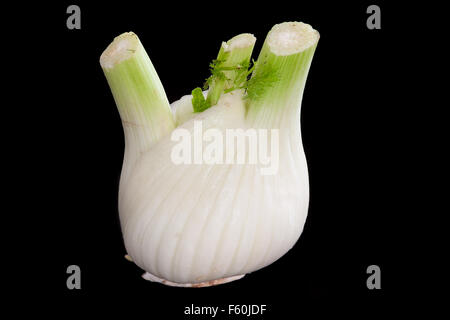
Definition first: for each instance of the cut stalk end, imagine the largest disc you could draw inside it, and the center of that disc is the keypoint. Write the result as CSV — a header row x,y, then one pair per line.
x,y
291,37
242,41
122,48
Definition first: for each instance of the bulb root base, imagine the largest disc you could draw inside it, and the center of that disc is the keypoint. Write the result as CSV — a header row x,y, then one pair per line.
x,y
152,278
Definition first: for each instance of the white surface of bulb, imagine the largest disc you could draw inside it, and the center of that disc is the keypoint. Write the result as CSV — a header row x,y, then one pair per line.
x,y
196,223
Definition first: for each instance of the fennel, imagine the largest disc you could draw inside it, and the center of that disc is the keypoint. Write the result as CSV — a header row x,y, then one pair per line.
x,y
205,223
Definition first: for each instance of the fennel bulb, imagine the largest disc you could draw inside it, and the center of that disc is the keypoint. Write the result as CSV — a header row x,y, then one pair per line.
x,y
199,214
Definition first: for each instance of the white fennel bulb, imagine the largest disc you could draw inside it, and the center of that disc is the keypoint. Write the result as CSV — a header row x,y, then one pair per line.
x,y
196,207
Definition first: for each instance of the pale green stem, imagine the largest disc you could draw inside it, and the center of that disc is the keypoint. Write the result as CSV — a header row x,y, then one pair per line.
x,y
233,53
288,50
139,95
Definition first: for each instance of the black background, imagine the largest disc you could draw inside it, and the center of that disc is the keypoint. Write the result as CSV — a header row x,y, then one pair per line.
x,y
351,135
